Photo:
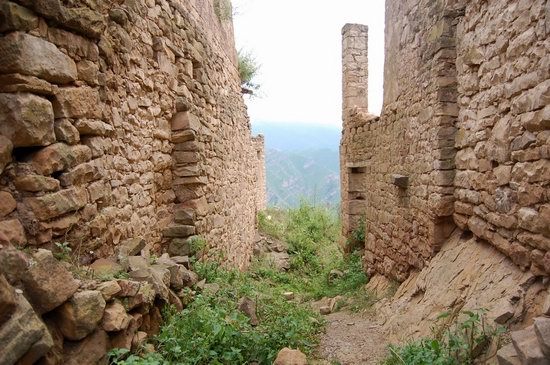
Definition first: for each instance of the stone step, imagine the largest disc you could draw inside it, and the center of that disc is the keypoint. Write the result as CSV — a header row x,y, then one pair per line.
x,y
527,347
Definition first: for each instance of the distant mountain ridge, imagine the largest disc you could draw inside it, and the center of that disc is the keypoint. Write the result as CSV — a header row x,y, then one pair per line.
x,y
298,136
302,162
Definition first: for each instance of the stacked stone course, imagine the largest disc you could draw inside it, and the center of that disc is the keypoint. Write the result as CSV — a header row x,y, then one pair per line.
x,y
124,119
462,139
503,139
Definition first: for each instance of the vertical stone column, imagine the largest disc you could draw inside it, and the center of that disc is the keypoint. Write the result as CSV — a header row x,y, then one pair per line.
x,y
354,100
354,68
261,193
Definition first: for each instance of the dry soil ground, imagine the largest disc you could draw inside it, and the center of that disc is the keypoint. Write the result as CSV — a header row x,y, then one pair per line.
x,y
352,339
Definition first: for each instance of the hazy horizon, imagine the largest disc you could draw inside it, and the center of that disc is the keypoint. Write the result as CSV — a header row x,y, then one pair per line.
x,y
298,45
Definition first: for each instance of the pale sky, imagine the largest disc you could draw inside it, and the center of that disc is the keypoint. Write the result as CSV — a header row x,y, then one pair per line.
x,y
298,45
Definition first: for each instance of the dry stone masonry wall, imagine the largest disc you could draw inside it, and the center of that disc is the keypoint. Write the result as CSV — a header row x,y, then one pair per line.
x,y
503,139
403,161
462,139
124,119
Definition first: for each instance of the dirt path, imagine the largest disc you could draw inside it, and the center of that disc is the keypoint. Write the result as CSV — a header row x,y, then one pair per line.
x,y
352,339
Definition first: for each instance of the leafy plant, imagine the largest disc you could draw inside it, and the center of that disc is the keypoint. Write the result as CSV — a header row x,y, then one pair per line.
x,y
223,10
270,222
248,69
123,357
63,251
357,236
197,244
458,345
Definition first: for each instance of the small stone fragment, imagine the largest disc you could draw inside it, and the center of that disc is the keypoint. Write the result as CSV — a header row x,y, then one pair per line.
x,y
290,357
248,307
289,295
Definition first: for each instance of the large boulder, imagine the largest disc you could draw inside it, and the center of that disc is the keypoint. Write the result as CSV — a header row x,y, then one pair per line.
x,y
91,350
59,157
24,335
77,102
81,314
30,55
16,17
53,205
26,119
47,283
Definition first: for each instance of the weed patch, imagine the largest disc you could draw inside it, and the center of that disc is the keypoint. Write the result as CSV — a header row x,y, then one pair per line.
x,y
460,344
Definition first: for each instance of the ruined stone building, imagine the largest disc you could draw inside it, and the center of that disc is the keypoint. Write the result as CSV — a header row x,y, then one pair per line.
x,y
463,139
462,145
123,133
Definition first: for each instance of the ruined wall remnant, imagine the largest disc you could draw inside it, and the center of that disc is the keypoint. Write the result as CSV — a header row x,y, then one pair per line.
x,y
466,94
122,120
406,154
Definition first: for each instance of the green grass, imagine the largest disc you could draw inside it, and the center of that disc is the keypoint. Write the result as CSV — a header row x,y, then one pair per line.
x,y
312,234
211,329
459,344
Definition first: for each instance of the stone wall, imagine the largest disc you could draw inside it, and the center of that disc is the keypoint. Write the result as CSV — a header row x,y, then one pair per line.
x,y
124,119
503,166
404,159
459,76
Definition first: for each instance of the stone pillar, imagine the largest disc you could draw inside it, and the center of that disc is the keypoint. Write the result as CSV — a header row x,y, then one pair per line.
x,y
261,193
354,93
354,67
